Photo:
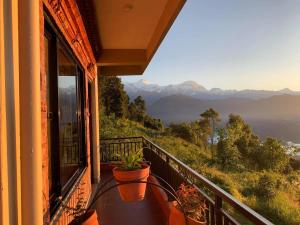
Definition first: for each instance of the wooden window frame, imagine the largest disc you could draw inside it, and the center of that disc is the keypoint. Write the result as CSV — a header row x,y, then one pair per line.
x,y
55,38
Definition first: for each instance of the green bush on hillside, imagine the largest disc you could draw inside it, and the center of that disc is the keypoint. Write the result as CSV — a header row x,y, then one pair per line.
x,y
182,130
267,186
152,123
280,210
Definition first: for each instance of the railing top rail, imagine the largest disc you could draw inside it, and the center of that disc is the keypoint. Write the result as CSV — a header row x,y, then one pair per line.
x,y
241,207
121,138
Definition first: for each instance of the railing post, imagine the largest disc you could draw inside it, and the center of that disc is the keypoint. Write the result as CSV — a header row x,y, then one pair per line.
x,y
145,147
218,207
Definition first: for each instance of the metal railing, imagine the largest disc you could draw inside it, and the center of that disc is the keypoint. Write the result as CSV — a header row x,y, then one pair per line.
x,y
175,172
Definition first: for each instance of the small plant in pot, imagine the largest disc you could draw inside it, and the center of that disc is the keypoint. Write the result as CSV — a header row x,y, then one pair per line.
x,y
132,169
193,205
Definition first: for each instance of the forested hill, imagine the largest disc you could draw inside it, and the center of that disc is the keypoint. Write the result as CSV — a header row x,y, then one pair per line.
x,y
182,108
277,116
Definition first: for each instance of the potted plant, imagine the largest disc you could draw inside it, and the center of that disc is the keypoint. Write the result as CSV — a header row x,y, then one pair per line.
x,y
193,205
131,169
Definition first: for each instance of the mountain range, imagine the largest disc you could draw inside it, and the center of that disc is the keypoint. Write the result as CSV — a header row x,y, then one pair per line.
x,y
270,113
152,92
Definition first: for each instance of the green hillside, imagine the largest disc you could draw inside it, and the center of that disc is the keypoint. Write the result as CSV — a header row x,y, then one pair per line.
x,y
259,173
251,187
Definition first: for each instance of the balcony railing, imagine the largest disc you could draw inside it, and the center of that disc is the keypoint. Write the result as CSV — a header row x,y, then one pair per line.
x,y
173,171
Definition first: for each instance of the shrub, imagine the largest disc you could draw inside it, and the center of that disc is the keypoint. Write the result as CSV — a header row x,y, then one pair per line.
x,y
267,186
182,130
223,180
272,156
295,164
280,210
153,123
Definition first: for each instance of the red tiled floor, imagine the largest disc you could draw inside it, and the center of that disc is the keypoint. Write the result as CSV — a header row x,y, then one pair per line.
x,y
112,211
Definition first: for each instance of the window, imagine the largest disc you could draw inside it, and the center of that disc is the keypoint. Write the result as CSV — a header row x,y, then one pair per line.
x,y
65,95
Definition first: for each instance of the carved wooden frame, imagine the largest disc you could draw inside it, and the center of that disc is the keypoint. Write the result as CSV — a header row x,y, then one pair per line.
x,y
68,19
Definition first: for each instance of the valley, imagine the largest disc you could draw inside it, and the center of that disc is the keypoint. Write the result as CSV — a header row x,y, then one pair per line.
x,y
270,113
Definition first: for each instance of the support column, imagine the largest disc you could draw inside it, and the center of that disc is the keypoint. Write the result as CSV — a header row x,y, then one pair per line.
x,y
10,186
30,104
96,136
3,146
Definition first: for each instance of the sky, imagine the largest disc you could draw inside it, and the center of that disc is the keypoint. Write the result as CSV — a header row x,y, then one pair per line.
x,y
232,44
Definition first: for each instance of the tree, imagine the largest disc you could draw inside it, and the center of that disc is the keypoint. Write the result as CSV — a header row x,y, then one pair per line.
x,y
227,153
140,103
213,117
140,107
237,145
202,130
137,109
236,126
113,97
243,138
272,156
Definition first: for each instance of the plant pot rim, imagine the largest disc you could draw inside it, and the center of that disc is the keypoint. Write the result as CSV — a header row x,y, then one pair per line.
x,y
144,166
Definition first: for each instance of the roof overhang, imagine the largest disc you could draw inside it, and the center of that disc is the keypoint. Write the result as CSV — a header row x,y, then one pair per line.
x,y
125,34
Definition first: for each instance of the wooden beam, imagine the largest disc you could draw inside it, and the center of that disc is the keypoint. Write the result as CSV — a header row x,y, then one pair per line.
x,y
122,57
121,70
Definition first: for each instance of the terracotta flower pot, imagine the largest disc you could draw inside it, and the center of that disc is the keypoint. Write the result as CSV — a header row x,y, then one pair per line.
x,y
176,217
89,218
135,191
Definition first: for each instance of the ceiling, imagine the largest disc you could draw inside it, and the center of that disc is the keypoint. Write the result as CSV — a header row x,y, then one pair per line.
x,y
128,24
125,34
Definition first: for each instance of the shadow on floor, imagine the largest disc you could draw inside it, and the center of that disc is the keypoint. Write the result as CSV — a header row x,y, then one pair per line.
x,y
112,211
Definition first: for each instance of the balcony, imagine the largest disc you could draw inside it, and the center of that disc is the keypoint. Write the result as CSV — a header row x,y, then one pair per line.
x,y
113,211
222,208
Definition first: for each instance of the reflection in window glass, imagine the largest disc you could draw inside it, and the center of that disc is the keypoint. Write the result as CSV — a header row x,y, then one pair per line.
x,y
68,105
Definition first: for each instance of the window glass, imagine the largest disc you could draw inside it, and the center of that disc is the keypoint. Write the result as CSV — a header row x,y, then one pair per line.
x,y
68,112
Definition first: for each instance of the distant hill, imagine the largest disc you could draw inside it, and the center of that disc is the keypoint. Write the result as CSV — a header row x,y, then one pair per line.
x,y
153,92
270,113
184,108
277,116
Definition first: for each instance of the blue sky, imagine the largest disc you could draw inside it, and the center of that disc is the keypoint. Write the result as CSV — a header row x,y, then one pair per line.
x,y
232,44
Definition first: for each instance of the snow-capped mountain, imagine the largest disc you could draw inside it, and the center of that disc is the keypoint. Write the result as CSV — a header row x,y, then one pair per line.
x,y
144,85
152,92
187,87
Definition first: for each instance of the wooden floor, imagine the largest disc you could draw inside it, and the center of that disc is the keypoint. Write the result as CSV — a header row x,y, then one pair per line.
x,y
112,211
